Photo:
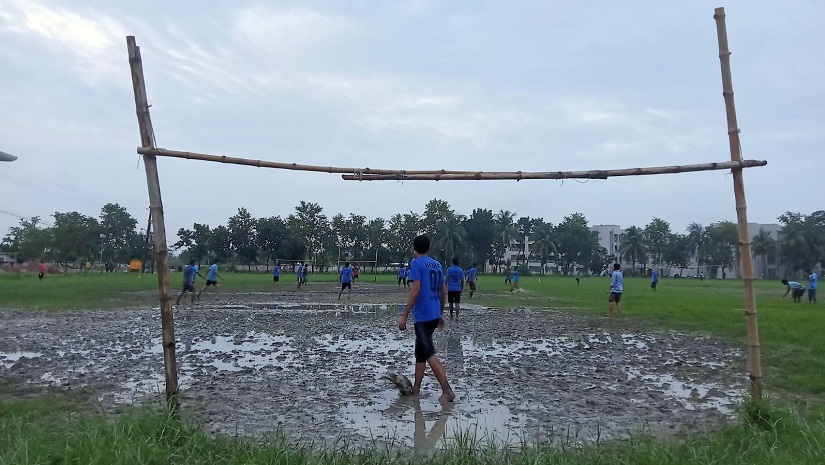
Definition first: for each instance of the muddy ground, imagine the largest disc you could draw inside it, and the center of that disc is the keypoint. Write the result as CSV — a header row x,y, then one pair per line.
x,y
252,363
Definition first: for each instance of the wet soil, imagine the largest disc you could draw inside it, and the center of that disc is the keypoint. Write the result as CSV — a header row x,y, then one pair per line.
x,y
302,362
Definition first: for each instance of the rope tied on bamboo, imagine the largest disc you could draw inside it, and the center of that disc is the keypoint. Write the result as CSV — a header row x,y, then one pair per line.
x,y
401,175
359,173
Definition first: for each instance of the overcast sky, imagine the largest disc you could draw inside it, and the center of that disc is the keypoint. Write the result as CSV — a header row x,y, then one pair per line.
x,y
498,86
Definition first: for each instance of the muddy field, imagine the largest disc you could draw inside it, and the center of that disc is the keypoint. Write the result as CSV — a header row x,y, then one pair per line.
x,y
251,363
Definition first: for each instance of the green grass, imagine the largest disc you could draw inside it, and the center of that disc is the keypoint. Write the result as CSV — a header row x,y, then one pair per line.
x,y
50,430
57,430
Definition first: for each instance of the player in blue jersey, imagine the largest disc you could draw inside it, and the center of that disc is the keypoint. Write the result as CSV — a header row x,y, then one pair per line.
x,y
455,284
300,273
514,277
276,274
426,302
616,290
346,276
813,281
796,290
471,279
654,279
402,275
211,277
189,274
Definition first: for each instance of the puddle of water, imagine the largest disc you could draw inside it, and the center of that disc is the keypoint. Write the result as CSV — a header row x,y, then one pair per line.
x,y
691,395
425,424
8,359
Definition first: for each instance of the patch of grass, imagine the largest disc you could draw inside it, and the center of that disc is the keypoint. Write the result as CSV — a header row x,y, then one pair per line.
x,y
49,431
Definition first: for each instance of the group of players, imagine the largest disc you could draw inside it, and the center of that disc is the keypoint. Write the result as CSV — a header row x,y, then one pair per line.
x,y
455,279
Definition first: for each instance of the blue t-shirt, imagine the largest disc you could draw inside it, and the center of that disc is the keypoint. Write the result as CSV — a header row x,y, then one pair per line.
x,y
402,273
654,276
471,275
346,275
189,274
514,277
429,273
213,273
455,278
795,285
617,282
300,270
276,271
812,281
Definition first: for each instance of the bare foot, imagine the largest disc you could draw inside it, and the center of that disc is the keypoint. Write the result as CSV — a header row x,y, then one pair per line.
x,y
447,397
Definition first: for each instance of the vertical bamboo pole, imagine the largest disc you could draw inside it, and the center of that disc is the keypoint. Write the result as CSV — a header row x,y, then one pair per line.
x,y
156,208
741,208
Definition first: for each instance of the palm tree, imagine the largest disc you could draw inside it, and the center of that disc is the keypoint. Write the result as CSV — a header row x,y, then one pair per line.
x,y
450,237
697,239
545,246
763,244
506,230
633,245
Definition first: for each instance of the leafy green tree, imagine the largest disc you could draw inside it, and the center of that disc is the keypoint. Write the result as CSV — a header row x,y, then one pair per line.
x,y
506,232
697,240
402,230
243,235
676,252
376,235
312,228
721,249
481,235
436,212
633,246
28,240
219,244
575,242
119,227
272,232
656,236
74,237
195,241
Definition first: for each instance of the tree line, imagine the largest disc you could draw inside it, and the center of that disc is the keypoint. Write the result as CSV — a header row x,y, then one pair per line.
x,y
484,237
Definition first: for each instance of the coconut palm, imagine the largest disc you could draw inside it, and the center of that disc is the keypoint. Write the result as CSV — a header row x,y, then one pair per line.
x,y
633,245
763,244
450,237
697,239
545,246
506,230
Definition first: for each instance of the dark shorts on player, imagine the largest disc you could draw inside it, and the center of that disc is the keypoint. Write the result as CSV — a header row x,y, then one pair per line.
x,y
346,286
798,292
454,297
615,297
424,346
189,287
40,275
401,280
653,284
211,283
472,284
276,278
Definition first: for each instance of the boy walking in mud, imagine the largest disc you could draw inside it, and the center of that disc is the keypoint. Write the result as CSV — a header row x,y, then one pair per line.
x,y
514,280
426,302
189,274
346,276
211,277
616,290
471,279
455,284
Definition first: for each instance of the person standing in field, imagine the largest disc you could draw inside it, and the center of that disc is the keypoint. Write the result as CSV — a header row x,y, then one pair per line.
x,y
300,274
455,284
355,273
276,274
471,279
812,285
616,290
796,290
514,280
41,270
654,279
509,278
407,280
189,281
211,277
345,276
304,275
402,275
426,302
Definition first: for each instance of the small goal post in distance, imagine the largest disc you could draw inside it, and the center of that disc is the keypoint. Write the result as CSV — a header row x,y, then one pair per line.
x,y
293,264
359,263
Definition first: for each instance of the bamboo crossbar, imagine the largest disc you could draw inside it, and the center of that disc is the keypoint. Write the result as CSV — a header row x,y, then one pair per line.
x,y
371,174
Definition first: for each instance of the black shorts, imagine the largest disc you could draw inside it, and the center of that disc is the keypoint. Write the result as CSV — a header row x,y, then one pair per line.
x,y
615,297
400,280
653,284
211,283
798,292
40,275
472,284
276,278
424,346
189,287
454,297
346,286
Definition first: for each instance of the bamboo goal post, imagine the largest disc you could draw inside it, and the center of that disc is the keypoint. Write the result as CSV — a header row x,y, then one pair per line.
x,y
754,356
